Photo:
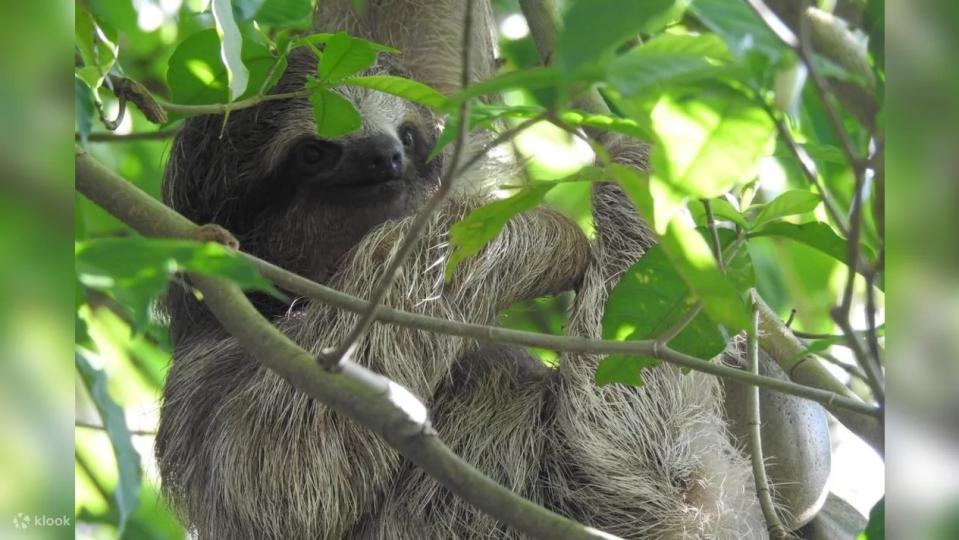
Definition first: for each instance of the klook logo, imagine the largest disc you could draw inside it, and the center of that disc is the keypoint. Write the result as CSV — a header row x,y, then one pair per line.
x,y
21,521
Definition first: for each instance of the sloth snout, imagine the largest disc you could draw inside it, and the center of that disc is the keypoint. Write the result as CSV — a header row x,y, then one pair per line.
x,y
380,157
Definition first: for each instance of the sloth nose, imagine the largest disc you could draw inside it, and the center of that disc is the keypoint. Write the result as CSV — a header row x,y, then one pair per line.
x,y
382,157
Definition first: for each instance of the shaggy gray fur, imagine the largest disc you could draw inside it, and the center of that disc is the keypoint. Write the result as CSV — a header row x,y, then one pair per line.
x,y
244,455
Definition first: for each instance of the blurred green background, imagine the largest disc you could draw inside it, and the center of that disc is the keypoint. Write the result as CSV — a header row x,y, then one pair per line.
x,y
40,400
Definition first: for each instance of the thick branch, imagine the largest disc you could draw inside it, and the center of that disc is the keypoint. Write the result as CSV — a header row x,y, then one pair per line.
x,y
789,353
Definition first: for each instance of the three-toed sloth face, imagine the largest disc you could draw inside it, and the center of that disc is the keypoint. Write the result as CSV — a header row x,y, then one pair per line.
x,y
292,197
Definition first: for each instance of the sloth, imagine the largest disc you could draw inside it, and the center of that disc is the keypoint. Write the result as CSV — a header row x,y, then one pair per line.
x,y
242,454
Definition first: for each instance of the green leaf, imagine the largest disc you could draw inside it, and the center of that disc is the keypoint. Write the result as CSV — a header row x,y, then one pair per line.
x,y
137,270
231,46
666,299
788,203
739,26
284,12
532,78
335,115
114,15
876,528
668,60
469,235
243,10
196,74
709,143
722,209
98,55
408,89
815,234
593,29
690,254
344,56
874,22
623,369
626,126
324,37
126,495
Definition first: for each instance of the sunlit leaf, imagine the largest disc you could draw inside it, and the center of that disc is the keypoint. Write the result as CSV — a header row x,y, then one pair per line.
x,y
691,255
606,122
709,143
738,25
411,90
469,235
335,115
722,210
528,79
669,59
788,203
126,494
666,300
344,56
231,47
196,74
137,270
593,29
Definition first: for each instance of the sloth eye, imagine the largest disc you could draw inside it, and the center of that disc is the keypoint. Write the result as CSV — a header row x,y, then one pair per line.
x,y
317,154
408,136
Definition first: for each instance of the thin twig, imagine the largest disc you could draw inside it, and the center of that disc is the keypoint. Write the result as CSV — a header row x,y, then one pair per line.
x,y
714,233
681,324
85,467
807,165
98,427
331,359
150,217
223,108
852,370
773,523
872,336
107,137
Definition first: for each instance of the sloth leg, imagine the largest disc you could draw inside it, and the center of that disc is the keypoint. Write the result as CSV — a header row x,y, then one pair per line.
x,y
653,461
491,412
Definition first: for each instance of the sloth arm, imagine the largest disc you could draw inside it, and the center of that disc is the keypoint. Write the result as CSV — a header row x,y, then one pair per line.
x,y
539,252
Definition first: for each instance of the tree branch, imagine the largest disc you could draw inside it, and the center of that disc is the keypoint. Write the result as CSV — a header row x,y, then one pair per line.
x,y
108,137
754,422
790,353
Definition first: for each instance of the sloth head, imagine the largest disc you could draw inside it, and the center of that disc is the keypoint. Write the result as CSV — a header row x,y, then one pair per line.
x,y
292,197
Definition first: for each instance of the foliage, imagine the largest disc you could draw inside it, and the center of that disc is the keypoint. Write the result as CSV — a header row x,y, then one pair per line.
x,y
705,82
